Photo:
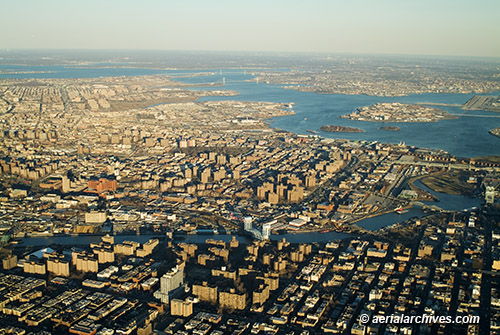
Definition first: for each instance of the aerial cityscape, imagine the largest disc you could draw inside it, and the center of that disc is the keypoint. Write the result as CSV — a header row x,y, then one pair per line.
x,y
300,190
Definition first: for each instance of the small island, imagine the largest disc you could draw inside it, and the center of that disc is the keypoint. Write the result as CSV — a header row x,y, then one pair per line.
x,y
495,132
398,112
390,128
340,129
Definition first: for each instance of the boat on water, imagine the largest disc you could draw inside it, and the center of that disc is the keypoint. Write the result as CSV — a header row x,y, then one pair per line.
x,y
400,210
311,131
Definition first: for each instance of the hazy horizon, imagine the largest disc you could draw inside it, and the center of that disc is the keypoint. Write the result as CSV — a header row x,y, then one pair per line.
x,y
386,27
254,52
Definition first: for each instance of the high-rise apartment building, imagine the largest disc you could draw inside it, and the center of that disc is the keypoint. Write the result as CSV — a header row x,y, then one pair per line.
x,y
170,281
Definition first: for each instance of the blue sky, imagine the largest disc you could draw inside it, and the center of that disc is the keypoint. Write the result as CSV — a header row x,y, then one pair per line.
x,y
438,27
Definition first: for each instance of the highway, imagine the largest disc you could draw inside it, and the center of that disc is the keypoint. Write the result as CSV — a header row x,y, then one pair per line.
x,y
455,166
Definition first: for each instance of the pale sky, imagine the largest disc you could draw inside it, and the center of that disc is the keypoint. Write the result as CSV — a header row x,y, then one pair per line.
x,y
430,27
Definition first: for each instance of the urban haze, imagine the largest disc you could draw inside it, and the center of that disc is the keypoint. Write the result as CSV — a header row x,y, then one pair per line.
x,y
320,167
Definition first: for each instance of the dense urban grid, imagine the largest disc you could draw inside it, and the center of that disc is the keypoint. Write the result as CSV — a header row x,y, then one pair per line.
x,y
113,158
389,77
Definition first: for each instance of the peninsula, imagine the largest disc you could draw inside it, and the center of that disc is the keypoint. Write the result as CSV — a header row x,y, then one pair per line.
x,y
398,112
485,103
